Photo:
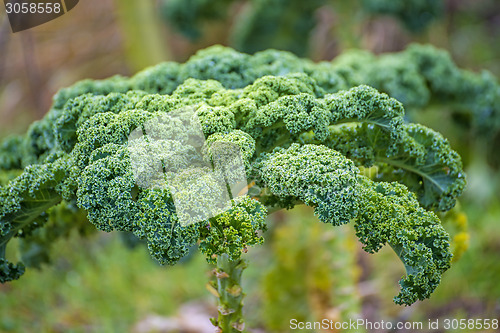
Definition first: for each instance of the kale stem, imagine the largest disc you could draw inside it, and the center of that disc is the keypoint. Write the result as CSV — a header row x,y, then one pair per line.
x,y
228,274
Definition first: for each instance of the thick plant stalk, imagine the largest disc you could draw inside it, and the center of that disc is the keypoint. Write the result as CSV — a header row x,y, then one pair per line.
x,y
345,293
230,294
144,43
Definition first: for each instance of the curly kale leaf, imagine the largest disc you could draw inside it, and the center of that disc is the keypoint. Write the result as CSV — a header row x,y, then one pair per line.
x,y
10,271
232,231
422,160
108,192
23,205
315,175
157,223
366,105
390,214
78,110
105,189
392,73
476,95
240,139
286,118
28,196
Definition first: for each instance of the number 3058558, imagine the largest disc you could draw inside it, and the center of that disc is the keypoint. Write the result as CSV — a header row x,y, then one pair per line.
x,y
32,8
470,324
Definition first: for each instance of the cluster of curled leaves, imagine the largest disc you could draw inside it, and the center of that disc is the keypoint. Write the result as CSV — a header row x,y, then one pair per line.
x,y
303,135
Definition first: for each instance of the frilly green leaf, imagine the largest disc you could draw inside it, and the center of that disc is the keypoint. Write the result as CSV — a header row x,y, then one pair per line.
x,y
390,214
315,175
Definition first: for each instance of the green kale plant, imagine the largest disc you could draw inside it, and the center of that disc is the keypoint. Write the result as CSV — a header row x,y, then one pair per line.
x,y
415,15
287,24
304,132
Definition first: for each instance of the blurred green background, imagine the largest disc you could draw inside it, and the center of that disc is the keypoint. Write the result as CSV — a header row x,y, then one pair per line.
x,y
97,284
